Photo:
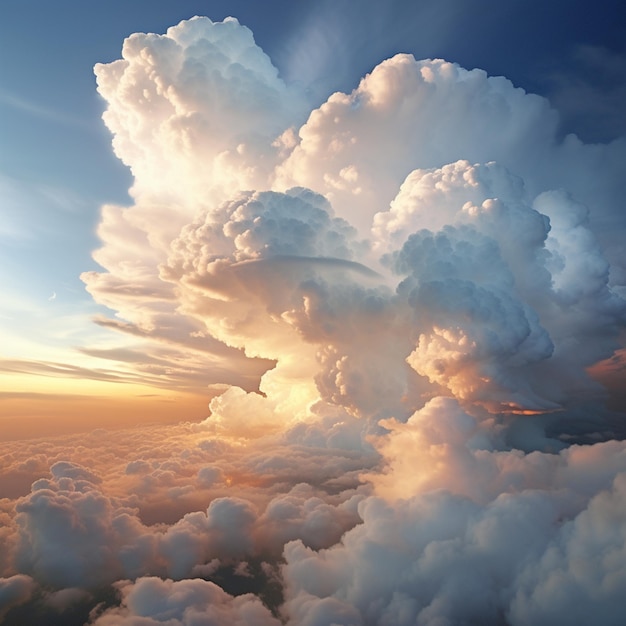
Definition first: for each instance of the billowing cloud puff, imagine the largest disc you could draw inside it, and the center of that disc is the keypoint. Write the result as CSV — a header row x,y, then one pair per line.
x,y
466,533
197,108
475,332
357,148
163,99
491,281
78,530
244,248
483,307
14,591
68,531
184,603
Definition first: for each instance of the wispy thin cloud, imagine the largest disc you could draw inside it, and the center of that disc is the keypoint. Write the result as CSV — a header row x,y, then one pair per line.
x,y
38,110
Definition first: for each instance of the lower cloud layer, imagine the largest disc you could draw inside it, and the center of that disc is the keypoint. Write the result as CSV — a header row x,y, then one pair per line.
x,y
426,522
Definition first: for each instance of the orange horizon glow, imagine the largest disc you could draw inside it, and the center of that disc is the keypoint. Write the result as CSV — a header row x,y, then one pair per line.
x,y
40,406
521,411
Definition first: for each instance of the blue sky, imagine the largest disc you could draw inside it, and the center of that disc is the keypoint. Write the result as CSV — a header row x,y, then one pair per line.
x,y
56,163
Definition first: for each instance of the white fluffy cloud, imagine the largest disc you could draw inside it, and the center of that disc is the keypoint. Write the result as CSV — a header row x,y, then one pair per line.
x,y
148,515
500,289
357,148
464,532
183,603
195,109
485,306
14,590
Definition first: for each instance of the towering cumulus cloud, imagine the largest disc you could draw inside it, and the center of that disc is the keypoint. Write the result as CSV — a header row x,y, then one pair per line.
x,y
399,298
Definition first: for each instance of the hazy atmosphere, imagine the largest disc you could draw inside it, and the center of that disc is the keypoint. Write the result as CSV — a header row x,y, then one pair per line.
x,y
312,313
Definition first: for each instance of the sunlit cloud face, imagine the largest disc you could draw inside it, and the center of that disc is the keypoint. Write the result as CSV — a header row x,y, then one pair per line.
x,y
480,264
393,300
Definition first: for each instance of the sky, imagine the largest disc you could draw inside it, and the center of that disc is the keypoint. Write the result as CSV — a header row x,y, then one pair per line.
x,y
308,308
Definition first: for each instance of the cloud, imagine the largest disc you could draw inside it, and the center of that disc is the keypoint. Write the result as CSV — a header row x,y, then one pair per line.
x,y
63,370
14,591
211,259
35,109
435,545
202,99
407,114
358,148
183,603
202,103
139,509
393,304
